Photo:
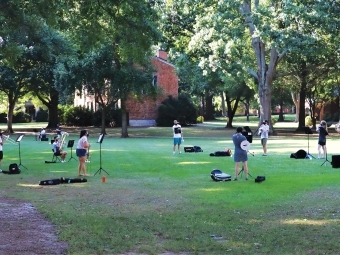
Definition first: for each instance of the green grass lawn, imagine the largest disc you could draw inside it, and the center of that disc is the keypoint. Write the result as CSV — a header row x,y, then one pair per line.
x,y
154,201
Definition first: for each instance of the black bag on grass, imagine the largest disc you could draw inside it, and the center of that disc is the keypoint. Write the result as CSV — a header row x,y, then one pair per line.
x,y
12,169
218,176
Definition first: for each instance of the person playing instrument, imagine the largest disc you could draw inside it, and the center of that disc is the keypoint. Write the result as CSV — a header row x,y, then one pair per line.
x,y
323,132
240,155
264,130
81,152
178,136
57,150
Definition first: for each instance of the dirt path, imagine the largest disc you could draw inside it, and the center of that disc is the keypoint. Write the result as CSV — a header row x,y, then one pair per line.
x,y
25,231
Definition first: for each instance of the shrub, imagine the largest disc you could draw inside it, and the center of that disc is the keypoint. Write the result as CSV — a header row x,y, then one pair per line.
x,y
3,117
200,119
78,116
113,117
309,121
42,116
180,108
21,117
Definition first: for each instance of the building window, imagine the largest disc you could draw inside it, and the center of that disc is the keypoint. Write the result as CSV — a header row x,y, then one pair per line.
x,y
155,81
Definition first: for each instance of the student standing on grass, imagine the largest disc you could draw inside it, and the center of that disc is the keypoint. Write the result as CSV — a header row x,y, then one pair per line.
x,y
323,132
81,152
240,155
178,136
264,130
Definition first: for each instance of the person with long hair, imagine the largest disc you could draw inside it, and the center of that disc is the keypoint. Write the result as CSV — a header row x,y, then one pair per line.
x,y
323,132
81,152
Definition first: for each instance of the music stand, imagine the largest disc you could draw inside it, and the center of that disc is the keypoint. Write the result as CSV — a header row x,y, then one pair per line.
x,y
100,140
70,145
18,141
308,132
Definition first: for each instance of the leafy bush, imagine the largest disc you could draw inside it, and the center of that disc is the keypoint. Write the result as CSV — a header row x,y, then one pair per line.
x,y
309,121
77,116
21,117
42,116
113,117
181,109
3,117
200,119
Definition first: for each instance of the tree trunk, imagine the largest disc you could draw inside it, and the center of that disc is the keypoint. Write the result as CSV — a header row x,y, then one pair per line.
x,y
231,110
223,105
103,130
209,114
296,101
124,119
302,113
53,118
11,105
281,118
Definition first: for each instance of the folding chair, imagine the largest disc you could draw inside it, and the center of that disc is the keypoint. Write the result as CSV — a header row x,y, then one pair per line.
x,y
55,157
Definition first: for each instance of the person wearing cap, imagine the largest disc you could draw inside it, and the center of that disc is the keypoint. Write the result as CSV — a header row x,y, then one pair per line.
x,y
240,155
264,131
323,132
178,136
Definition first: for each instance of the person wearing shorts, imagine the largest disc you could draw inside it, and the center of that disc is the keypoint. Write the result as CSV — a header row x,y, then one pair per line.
x,y
264,130
178,136
81,152
240,155
323,132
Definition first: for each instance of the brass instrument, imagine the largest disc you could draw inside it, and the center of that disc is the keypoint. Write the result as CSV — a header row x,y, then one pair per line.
x,y
63,140
8,139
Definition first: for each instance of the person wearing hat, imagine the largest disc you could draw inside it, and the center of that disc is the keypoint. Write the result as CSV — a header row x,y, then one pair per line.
x,y
240,155
264,130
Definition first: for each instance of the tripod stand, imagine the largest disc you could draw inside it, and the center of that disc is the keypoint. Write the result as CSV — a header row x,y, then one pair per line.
x,y
100,140
326,160
18,141
308,131
70,145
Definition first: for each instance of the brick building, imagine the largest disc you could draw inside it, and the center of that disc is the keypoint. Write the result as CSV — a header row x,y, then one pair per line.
x,y
144,113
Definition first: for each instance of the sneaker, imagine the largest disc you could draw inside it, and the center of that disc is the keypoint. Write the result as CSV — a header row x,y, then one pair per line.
x,y
246,178
235,179
264,154
179,152
173,153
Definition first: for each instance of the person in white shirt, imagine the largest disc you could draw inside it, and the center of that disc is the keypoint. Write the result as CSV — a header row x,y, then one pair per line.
x,y
178,136
264,130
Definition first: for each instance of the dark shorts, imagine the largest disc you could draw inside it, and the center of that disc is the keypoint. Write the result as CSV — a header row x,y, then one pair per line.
x,y
322,143
81,152
1,155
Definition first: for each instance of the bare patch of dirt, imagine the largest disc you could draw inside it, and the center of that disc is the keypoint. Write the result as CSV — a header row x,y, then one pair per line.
x,y
25,231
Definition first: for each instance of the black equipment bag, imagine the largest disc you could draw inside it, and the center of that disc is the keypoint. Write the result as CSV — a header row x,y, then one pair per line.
x,y
218,176
225,153
336,161
300,154
12,169
72,180
260,178
189,149
50,182
198,149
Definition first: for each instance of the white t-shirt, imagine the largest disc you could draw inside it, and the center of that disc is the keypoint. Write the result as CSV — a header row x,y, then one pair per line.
x,y
264,131
81,141
177,130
